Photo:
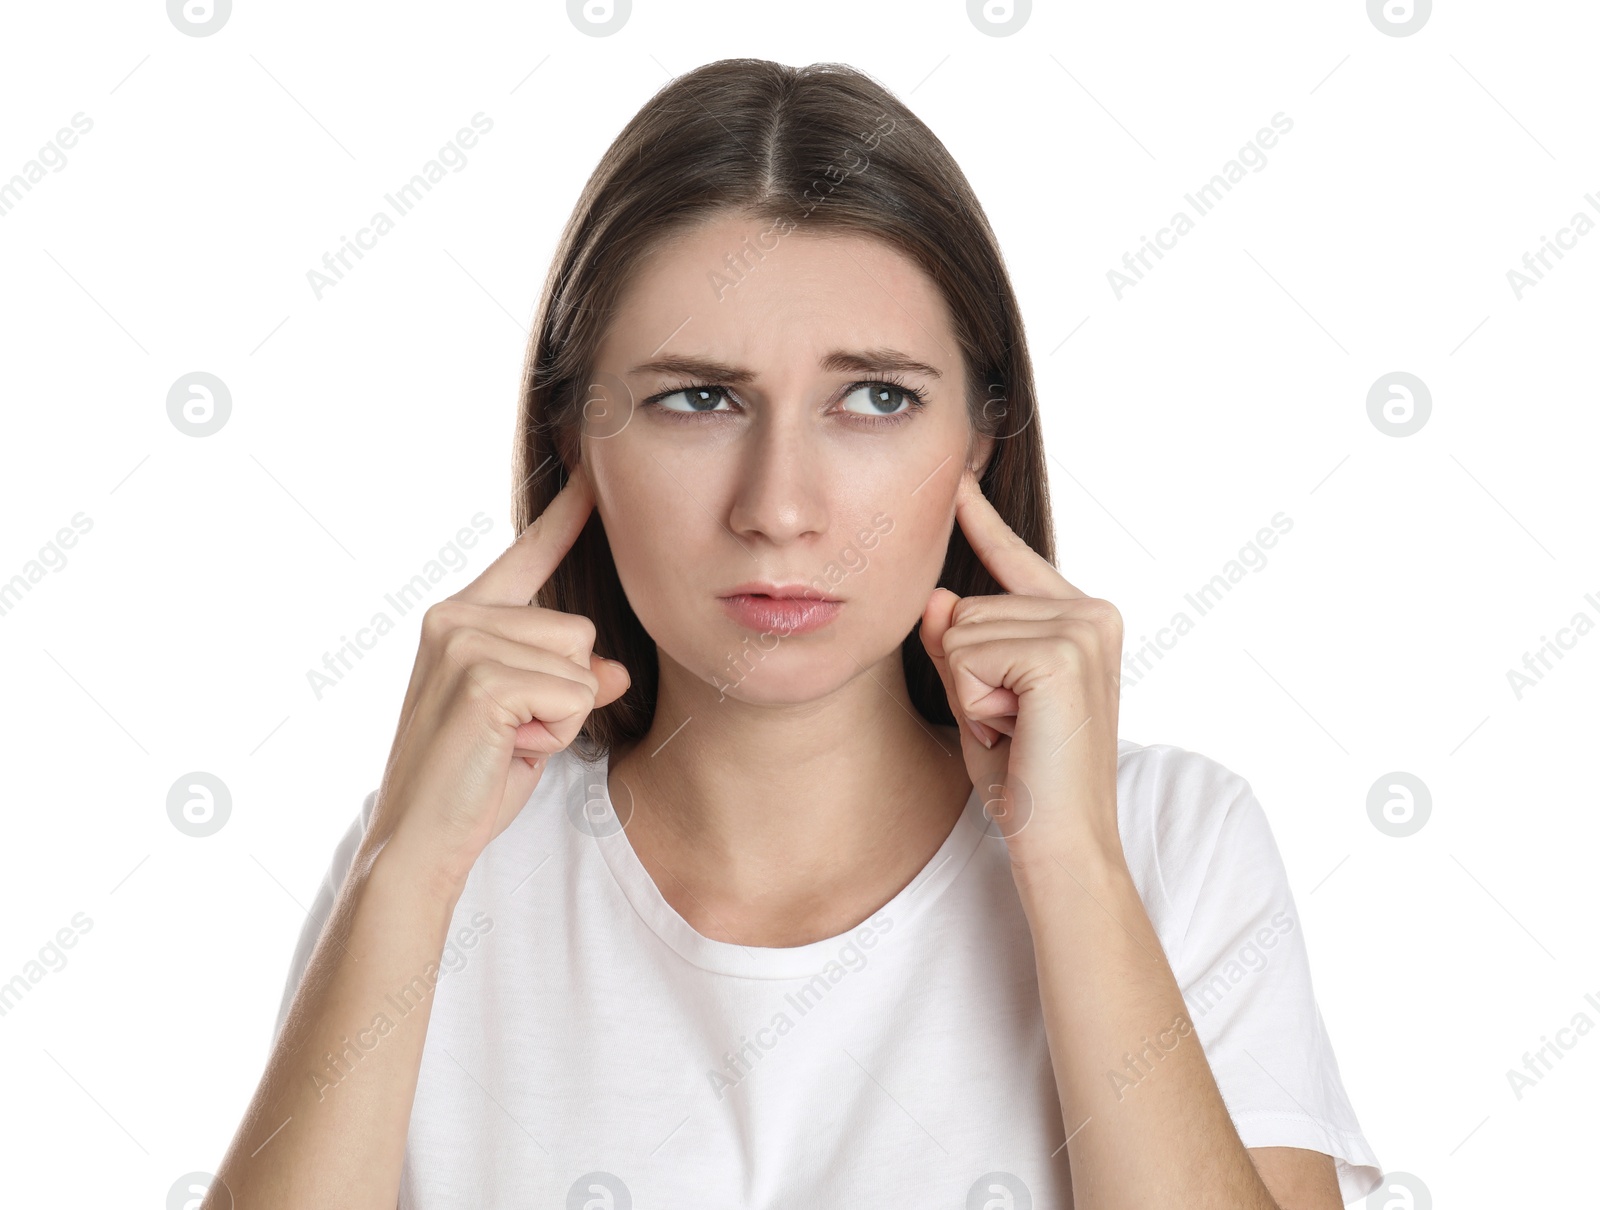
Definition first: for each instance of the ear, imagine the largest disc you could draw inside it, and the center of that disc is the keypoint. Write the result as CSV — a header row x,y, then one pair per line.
x,y
569,448
982,449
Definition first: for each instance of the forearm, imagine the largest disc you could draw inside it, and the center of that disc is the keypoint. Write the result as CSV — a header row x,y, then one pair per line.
x,y
327,1125
1147,1125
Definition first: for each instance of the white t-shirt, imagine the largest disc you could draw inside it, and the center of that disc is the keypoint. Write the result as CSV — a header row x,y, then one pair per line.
x,y
589,1049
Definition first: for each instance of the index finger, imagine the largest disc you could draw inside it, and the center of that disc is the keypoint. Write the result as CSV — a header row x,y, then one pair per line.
x,y
521,569
1014,564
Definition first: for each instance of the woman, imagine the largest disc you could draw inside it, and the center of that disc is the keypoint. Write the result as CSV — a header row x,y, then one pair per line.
x,y
835,886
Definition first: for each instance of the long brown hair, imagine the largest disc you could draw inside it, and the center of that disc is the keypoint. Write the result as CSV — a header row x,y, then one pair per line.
x,y
820,148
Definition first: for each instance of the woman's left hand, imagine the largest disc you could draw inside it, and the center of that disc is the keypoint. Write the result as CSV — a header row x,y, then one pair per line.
x,y
1035,670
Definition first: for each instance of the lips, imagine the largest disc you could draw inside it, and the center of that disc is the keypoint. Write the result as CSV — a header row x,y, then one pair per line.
x,y
761,588
782,616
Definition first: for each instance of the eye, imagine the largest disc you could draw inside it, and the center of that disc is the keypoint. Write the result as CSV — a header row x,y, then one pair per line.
x,y
698,399
883,400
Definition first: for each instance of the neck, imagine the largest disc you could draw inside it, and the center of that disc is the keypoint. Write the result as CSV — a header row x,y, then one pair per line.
x,y
767,823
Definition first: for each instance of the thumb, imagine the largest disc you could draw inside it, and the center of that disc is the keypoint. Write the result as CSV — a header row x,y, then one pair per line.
x,y
614,682
614,679
937,616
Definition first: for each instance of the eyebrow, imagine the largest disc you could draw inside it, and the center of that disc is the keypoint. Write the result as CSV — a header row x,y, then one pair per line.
x,y
866,361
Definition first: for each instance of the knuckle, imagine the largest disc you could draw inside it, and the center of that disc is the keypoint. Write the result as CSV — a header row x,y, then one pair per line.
x,y
1009,540
440,618
460,644
583,696
475,686
1105,613
558,631
1069,653
960,665
955,665
567,699
582,629
971,609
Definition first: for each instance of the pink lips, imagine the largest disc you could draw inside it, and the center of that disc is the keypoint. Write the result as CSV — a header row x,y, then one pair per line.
x,y
780,610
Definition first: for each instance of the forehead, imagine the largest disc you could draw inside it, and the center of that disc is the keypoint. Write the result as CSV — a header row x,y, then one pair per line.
x,y
740,289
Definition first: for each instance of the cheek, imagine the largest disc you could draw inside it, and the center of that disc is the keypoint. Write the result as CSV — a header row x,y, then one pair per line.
x,y
639,505
901,550
668,549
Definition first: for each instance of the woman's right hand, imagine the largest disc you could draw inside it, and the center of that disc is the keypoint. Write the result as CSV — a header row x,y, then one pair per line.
x,y
499,686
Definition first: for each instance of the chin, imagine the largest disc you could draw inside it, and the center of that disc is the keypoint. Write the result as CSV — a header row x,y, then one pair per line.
x,y
789,672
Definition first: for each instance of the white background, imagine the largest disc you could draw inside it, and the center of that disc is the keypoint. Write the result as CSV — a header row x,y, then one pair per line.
x,y
1227,386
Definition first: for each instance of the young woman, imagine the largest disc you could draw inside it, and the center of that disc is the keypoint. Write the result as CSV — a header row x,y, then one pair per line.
x,y
757,832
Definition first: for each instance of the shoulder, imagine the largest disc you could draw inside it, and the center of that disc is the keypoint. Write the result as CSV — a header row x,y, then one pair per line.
x,y
1214,884
562,796
1187,820
1174,781
367,805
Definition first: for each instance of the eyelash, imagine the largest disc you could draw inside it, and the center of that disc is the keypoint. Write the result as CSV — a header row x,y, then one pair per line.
x,y
913,396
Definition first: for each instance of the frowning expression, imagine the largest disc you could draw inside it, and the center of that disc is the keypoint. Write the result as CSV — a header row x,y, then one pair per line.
x,y
795,423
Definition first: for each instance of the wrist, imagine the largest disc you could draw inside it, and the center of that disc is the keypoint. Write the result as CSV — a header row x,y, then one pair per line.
x,y
413,870
1082,863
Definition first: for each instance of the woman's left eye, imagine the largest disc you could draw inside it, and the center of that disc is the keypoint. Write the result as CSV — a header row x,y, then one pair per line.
x,y
884,399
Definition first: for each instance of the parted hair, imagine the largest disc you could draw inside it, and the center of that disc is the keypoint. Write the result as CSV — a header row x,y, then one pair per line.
x,y
818,149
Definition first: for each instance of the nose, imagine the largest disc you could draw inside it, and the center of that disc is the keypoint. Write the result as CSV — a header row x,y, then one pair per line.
x,y
779,480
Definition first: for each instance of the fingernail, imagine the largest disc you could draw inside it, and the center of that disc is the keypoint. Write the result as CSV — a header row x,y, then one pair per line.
x,y
977,732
